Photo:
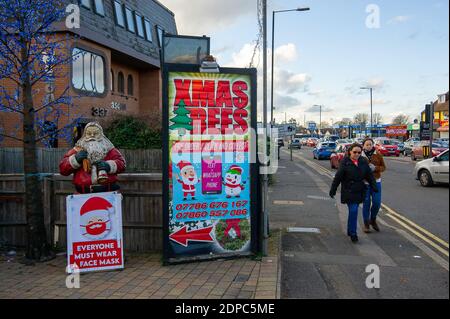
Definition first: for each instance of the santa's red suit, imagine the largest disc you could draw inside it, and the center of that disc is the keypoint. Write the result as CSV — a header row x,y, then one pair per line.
x,y
187,189
83,179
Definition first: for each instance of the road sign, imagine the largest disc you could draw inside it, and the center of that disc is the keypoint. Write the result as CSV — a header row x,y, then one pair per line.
x,y
312,126
286,129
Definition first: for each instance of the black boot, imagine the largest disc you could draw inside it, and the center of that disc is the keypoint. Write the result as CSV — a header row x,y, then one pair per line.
x,y
374,224
354,238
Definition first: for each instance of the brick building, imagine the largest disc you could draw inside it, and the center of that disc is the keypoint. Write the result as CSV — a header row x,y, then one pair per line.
x,y
441,115
118,69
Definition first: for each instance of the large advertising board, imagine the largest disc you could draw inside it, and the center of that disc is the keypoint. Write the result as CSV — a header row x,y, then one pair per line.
x,y
210,180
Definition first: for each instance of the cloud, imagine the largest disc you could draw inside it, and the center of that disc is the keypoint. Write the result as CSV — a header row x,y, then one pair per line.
x,y
289,82
197,17
316,109
283,102
399,19
286,53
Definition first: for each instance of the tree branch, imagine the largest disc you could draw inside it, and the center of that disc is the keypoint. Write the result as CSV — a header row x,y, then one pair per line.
x,y
52,102
12,137
55,132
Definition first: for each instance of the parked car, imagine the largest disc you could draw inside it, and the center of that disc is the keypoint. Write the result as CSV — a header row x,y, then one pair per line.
x,y
417,152
442,140
400,145
338,154
312,142
387,147
295,143
344,141
434,170
280,142
331,138
409,145
324,150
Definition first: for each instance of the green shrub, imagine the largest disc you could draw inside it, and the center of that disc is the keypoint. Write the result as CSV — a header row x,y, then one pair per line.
x,y
128,132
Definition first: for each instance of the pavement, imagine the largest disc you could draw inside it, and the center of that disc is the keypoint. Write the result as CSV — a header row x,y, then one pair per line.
x,y
310,256
144,277
318,260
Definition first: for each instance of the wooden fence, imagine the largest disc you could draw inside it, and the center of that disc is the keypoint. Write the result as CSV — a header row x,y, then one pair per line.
x,y
138,161
141,209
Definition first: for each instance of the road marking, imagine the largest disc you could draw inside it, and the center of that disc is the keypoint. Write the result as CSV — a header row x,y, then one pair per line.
x,y
392,214
319,197
439,248
288,202
303,230
439,240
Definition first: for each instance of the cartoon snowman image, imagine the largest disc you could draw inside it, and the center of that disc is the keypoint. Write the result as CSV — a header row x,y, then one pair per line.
x,y
233,182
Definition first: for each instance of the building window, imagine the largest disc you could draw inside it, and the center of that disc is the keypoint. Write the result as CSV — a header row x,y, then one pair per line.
x,y
88,71
86,3
121,83
99,7
130,85
130,20
112,80
159,32
139,25
118,11
148,30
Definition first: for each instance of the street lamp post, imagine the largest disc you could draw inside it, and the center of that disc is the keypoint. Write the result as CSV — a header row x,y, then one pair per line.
x,y
273,54
371,106
320,118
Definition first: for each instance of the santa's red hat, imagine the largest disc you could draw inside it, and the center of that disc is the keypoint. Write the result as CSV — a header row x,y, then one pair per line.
x,y
182,165
95,204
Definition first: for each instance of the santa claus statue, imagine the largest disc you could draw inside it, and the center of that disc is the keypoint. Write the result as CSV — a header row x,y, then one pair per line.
x,y
188,179
94,161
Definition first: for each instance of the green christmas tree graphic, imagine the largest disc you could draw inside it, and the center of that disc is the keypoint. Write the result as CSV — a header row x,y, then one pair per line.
x,y
182,121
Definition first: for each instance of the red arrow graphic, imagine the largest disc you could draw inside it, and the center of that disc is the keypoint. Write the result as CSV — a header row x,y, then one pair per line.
x,y
182,236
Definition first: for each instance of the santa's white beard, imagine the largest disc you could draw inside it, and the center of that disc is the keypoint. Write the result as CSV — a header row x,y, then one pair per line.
x,y
186,181
96,149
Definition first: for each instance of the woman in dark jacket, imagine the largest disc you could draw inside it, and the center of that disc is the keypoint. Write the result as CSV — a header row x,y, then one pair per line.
x,y
352,173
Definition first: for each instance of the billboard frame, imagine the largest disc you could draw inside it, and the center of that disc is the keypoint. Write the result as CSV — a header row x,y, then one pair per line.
x,y
255,185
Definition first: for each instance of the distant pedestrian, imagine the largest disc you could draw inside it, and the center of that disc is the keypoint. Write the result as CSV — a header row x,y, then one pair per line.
x,y
352,174
372,202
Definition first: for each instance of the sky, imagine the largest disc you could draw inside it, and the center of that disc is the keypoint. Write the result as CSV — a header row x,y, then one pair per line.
x,y
325,55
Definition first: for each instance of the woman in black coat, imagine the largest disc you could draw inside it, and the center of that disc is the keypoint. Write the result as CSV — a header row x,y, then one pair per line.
x,y
353,174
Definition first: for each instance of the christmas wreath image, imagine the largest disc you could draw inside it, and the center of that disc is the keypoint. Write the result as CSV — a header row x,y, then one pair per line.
x,y
232,234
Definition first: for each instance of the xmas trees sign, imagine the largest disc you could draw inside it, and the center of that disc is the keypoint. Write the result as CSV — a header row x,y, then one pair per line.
x,y
209,183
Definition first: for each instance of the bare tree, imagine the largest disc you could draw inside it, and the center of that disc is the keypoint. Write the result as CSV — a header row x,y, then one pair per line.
x,y
361,119
33,56
401,119
377,118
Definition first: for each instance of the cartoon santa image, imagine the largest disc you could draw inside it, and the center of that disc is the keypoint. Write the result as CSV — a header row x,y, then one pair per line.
x,y
188,179
233,182
95,222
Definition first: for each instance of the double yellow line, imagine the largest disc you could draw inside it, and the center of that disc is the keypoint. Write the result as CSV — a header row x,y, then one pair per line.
x,y
434,241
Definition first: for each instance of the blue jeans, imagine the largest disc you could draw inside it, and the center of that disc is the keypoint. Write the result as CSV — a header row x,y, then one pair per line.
x,y
352,223
372,204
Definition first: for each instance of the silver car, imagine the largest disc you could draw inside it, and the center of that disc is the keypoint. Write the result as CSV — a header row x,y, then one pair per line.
x,y
434,170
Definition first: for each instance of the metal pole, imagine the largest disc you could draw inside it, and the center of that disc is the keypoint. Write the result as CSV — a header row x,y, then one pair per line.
x,y
320,120
371,111
431,128
265,177
273,63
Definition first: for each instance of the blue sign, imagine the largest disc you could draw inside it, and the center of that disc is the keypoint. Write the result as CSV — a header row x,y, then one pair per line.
x,y
312,126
